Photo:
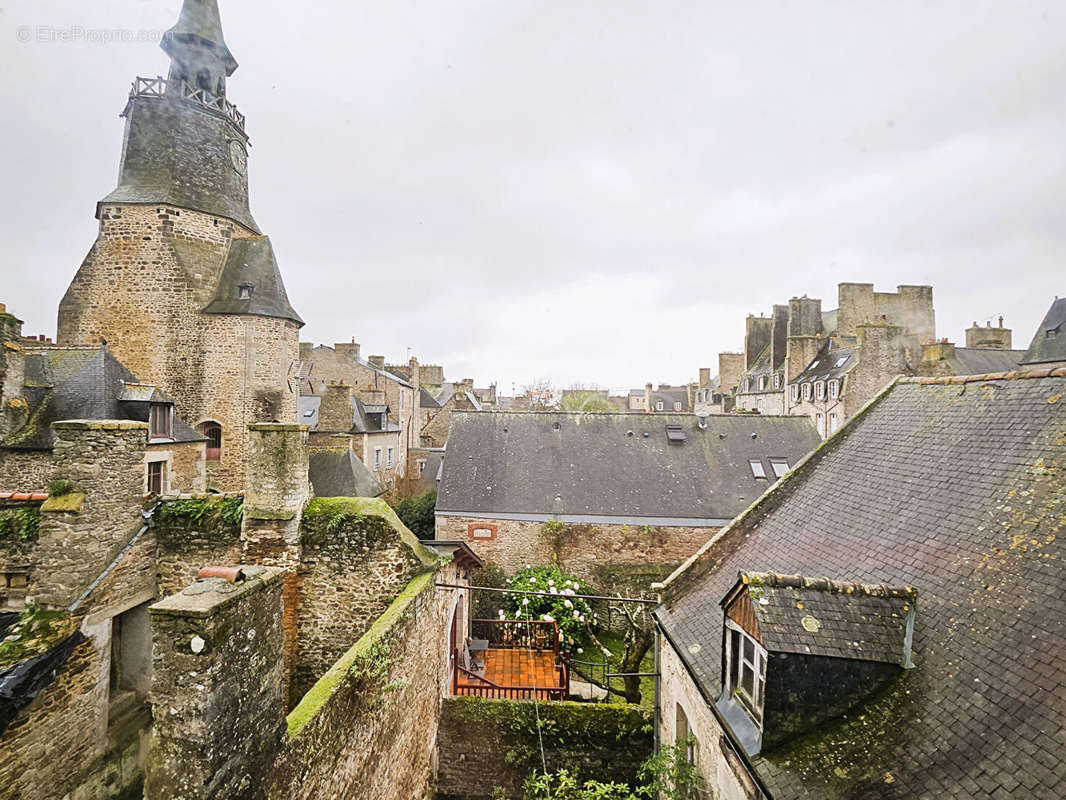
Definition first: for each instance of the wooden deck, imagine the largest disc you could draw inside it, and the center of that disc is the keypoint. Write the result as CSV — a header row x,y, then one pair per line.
x,y
516,674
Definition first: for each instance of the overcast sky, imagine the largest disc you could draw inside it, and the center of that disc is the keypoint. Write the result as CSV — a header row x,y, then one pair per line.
x,y
593,192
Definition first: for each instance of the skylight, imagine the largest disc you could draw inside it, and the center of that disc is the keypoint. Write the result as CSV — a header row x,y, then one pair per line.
x,y
842,361
779,466
757,469
814,363
675,433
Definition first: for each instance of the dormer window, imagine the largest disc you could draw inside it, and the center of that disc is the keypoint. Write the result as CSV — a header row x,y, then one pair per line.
x,y
777,381
819,390
159,420
834,389
659,405
244,291
677,406
745,670
806,391
795,393
1052,333
762,383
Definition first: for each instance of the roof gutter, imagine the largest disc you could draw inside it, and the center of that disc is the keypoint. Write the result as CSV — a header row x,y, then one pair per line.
x,y
731,738
593,519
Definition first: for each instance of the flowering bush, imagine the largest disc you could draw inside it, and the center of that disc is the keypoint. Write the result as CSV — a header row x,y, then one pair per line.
x,y
560,604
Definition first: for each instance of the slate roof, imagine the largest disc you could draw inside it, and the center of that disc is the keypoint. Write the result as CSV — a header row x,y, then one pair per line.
x,y
825,367
954,486
613,464
82,383
199,24
822,617
365,419
1049,342
251,262
426,400
338,473
981,361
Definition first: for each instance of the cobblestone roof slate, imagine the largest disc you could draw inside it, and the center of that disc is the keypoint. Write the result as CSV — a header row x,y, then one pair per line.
x,y
956,486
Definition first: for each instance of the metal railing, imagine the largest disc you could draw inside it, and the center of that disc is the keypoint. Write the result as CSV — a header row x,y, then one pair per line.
x,y
467,683
160,87
505,634
537,636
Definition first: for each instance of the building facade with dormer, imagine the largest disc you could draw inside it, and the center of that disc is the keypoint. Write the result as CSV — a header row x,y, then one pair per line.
x,y
181,284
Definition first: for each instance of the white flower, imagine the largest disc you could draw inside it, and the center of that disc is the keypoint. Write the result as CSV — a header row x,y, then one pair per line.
x,y
527,566
548,618
582,617
568,604
553,590
532,580
551,582
502,614
580,650
525,601
568,583
576,615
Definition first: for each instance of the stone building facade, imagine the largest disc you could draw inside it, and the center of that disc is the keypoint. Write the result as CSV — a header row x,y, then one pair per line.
x,y
180,283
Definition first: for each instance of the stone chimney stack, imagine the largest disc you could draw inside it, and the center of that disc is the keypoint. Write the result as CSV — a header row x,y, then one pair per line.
x,y
989,338
335,412
757,334
276,489
937,351
377,361
347,349
14,410
778,335
414,428
705,376
730,368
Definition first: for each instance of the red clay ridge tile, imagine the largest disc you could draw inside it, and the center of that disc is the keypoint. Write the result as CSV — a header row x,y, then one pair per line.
x,y
231,574
22,497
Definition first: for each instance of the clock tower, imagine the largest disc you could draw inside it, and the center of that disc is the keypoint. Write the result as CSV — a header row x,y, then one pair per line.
x,y
181,283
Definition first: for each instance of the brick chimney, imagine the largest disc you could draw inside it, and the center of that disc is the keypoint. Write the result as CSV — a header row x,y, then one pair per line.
x,y
989,338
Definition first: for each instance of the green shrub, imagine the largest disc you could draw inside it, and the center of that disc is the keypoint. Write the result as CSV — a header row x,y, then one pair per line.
x,y
571,613
418,513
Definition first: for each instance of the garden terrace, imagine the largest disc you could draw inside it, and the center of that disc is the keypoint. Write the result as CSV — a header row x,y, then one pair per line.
x,y
511,659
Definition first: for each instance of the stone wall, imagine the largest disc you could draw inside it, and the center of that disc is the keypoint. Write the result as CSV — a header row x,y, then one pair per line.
x,y
216,689
368,728
487,748
78,538
186,465
724,775
27,471
435,432
608,556
192,534
354,562
910,307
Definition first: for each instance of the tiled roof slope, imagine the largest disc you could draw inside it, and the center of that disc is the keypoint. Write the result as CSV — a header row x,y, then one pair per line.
x,y
956,486
979,360
1049,343
613,464
830,618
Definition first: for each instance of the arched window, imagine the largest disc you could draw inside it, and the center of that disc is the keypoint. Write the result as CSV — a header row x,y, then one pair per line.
x,y
213,432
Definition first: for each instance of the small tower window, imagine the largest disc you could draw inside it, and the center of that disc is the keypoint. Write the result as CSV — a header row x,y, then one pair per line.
x,y
157,477
244,291
745,670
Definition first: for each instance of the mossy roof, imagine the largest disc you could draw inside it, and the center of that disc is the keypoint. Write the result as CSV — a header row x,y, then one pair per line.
x,y
329,507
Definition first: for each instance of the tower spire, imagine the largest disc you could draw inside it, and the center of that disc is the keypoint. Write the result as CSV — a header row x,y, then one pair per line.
x,y
197,49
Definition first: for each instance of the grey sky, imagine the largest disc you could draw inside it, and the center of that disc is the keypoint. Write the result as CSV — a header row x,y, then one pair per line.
x,y
587,191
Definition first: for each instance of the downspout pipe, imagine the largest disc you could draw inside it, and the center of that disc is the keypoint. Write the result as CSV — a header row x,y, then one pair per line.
x,y
146,515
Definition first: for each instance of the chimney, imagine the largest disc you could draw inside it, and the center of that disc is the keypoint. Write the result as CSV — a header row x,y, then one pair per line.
x,y
377,361
349,350
758,331
414,427
305,350
705,376
335,413
939,350
988,338
647,397
730,368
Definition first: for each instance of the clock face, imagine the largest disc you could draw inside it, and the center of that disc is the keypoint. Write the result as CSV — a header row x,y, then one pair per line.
x,y
238,156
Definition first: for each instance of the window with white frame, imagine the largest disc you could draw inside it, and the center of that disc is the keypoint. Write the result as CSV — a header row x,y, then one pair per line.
x,y
659,405
777,381
806,391
757,469
389,455
157,477
421,466
745,670
377,458
819,390
834,389
820,424
795,393
779,466
762,383
833,423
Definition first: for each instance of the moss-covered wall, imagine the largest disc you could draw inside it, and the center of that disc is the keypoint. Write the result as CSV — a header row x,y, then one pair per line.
x,y
487,748
195,532
356,558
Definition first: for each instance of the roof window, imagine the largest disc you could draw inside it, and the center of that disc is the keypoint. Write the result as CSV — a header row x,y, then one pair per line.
x,y
842,361
675,434
779,466
757,469
244,291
